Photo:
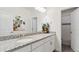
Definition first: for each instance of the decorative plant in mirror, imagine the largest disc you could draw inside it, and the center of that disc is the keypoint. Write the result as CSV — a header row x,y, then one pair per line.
x,y
45,28
17,23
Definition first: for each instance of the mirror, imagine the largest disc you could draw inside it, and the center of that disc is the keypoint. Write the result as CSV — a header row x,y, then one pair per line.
x,y
17,20
14,20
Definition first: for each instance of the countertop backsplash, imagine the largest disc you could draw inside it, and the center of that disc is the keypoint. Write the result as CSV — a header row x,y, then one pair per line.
x,y
13,36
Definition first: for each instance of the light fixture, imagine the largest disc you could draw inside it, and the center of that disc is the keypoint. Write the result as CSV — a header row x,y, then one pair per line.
x,y
40,9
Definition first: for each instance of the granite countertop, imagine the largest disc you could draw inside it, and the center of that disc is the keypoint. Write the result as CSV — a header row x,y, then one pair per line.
x,y
7,45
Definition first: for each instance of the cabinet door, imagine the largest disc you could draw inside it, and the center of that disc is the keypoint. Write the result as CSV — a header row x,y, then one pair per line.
x,y
52,42
39,49
47,47
23,49
50,45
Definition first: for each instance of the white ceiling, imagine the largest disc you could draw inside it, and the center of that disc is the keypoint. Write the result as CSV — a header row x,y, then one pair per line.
x,y
65,8
62,8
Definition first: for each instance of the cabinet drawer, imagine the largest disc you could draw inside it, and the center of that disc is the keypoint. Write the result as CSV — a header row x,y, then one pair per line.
x,y
39,43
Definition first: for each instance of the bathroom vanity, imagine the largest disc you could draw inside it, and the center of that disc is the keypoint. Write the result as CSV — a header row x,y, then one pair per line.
x,y
32,43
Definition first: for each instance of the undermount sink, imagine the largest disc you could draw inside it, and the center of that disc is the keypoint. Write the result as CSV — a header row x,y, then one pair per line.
x,y
24,40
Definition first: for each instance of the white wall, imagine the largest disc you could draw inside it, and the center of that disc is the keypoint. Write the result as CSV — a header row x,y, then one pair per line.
x,y
65,8
7,14
75,30
54,19
55,24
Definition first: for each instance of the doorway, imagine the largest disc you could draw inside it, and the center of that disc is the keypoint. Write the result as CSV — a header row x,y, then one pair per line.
x,y
66,29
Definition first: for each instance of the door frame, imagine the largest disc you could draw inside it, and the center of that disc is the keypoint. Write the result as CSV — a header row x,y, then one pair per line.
x,y
34,18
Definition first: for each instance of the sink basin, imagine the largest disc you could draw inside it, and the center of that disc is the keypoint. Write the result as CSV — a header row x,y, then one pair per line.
x,y
24,40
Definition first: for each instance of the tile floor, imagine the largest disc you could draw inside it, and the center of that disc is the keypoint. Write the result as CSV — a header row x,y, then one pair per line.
x,y
66,48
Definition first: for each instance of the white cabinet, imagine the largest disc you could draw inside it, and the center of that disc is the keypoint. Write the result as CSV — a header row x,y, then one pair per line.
x,y
37,44
49,46
23,49
39,49
45,45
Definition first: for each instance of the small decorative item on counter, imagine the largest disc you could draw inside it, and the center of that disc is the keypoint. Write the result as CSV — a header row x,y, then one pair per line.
x,y
45,28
